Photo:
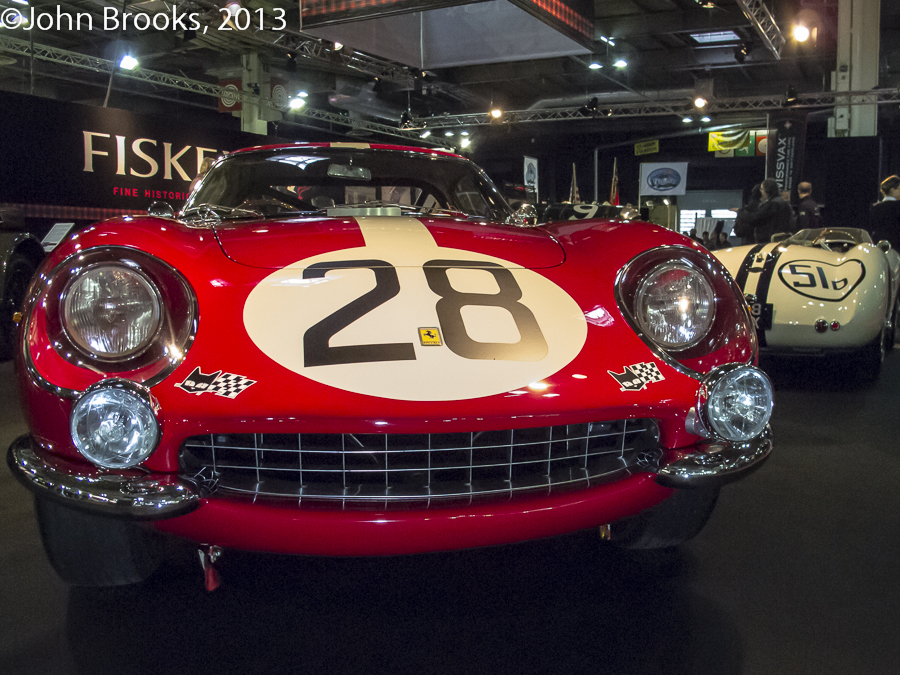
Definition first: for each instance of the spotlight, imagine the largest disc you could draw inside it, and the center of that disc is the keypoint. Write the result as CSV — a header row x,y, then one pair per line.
x,y
425,134
338,46
800,32
405,120
496,113
591,108
741,52
297,102
128,62
466,142
232,7
700,102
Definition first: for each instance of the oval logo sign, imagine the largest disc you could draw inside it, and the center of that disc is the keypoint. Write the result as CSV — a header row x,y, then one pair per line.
x,y
405,319
664,179
821,280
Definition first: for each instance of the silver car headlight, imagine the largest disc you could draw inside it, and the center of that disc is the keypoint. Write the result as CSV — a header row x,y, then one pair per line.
x,y
675,305
736,402
114,424
111,311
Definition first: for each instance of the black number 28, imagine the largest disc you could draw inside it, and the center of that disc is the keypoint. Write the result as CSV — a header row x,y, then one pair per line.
x,y
531,345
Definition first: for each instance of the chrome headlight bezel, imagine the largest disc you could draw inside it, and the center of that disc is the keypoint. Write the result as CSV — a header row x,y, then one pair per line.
x,y
124,400
170,341
77,337
714,391
730,335
704,313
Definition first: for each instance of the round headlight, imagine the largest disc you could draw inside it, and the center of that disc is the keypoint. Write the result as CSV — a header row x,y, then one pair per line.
x,y
113,427
675,305
739,402
111,311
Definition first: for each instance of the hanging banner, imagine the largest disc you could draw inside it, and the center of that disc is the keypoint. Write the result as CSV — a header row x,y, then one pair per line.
x,y
785,147
729,140
531,176
663,178
646,147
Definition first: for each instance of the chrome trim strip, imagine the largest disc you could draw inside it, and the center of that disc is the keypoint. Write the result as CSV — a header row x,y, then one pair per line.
x,y
137,496
717,463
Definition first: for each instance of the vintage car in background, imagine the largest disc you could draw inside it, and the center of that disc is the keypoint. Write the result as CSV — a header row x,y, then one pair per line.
x,y
821,291
359,350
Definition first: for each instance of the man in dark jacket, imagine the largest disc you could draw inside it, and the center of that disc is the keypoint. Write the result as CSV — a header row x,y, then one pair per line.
x,y
884,218
807,210
774,214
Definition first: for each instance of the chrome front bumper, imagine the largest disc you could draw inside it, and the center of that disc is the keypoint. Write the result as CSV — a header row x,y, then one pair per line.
x,y
717,463
132,494
148,496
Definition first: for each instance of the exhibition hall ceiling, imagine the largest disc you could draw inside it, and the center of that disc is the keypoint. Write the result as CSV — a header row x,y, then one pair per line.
x,y
434,59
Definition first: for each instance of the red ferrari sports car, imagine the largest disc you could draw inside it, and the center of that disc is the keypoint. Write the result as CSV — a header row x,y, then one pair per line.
x,y
355,350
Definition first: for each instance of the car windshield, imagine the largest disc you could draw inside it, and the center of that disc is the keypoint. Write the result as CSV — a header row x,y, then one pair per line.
x,y
812,237
308,180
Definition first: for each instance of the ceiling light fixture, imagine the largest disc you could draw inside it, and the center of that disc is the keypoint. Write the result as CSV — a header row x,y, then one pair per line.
x,y
595,65
297,102
800,32
128,62
687,120
706,118
621,63
466,142
425,134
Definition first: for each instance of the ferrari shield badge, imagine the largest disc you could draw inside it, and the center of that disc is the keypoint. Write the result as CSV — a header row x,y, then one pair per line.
x,y
637,376
228,385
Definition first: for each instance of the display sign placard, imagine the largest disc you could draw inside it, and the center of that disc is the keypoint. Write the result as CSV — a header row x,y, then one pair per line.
x,y
663,178
74,155
646,148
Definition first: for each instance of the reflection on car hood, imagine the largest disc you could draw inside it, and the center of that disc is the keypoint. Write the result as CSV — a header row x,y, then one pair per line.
x,y
288,243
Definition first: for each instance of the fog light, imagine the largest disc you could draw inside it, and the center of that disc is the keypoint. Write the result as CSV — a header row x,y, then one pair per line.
x,y
821,325
114,424
738,403
835,325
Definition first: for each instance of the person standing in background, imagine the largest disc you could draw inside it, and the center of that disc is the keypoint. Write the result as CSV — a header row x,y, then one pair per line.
x,y
774,214
808,209
884,217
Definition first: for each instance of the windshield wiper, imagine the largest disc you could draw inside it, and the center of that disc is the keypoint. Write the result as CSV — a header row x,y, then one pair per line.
x,y
217,213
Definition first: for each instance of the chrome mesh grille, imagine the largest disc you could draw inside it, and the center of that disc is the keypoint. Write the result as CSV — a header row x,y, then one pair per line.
x,y
403,470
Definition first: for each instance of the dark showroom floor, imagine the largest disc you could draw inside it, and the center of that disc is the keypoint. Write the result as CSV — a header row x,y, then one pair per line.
x,y
797,572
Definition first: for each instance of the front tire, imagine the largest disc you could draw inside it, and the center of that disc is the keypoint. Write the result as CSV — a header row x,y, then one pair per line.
x,y
89,550
668,524
19,270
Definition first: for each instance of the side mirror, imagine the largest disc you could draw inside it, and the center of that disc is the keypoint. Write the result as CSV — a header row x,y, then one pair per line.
x,y
524,216
884,245
161,210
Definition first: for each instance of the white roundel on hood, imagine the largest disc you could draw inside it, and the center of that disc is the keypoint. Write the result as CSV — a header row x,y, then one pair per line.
x,y
402,318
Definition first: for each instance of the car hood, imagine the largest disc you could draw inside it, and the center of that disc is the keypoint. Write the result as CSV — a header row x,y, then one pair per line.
x,y
290,243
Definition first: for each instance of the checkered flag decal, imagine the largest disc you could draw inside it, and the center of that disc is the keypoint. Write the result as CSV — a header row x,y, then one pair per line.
x,y
648,372
230,385
637,376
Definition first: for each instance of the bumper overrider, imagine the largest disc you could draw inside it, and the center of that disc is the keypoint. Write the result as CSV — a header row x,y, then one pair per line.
x,y
731,418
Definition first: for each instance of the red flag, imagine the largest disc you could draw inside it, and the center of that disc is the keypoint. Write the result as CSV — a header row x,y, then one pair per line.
x,y
614,189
